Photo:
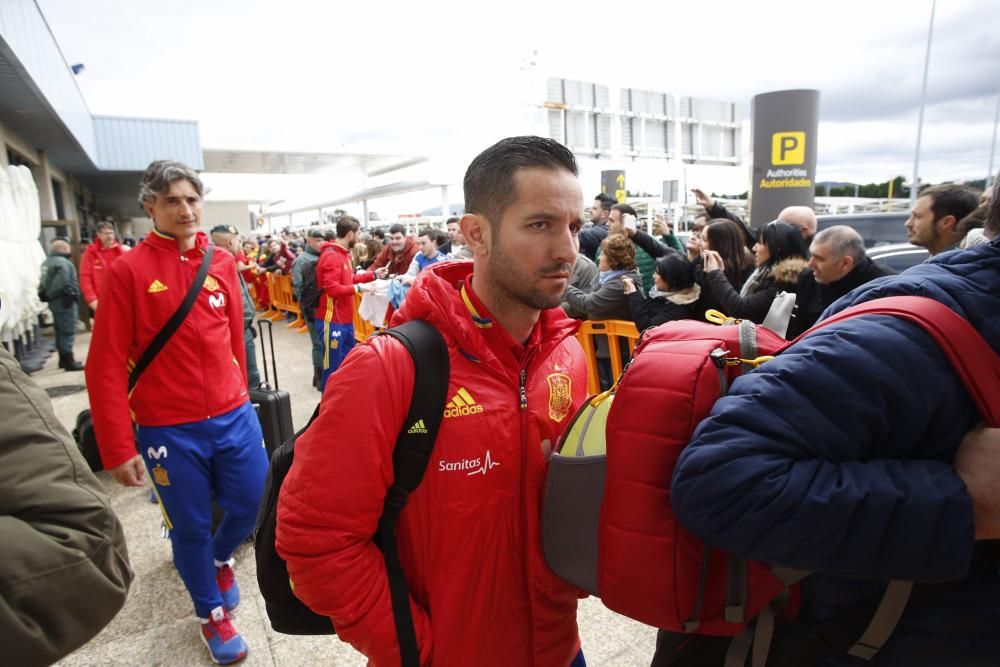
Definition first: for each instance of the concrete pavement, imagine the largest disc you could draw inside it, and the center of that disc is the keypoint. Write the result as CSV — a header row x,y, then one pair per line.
x,y
157,626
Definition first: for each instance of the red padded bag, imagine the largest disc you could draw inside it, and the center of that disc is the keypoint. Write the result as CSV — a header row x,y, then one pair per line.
x,y
649,567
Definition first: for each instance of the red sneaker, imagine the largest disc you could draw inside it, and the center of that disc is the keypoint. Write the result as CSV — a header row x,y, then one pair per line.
x,y
225,646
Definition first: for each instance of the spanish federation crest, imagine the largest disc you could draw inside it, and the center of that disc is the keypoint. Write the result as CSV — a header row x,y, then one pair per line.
x,y
560,396
211,284
160,475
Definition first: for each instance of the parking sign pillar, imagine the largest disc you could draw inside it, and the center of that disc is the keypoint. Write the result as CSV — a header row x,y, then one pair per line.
x,y
783,169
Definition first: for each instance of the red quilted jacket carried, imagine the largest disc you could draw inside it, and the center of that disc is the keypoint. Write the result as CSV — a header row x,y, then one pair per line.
x,y
469,537
679,370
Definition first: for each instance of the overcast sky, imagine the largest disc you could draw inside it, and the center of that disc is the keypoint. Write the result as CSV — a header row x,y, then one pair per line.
x,y
407,76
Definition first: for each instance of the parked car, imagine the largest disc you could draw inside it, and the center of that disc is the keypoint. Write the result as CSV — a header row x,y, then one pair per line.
x,y
898,256
875,228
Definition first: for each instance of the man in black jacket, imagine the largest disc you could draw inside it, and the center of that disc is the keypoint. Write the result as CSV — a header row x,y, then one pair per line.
x,y
591,237
838,263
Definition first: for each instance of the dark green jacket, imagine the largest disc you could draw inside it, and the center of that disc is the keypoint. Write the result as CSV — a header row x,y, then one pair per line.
x,y
248,307
305,262
64,570
672,241
60,283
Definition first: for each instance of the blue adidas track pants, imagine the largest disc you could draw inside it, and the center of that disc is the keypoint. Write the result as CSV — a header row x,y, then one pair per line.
x,y
223,457
338,340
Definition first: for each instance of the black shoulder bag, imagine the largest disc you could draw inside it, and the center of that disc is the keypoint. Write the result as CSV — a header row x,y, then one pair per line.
x,y
175,320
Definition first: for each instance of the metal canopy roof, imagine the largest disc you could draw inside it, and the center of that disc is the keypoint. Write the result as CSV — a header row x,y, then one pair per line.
x,y
281,162
397,188
41,103
24,109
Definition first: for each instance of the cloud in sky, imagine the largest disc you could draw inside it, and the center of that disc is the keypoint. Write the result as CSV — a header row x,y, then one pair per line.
x,y
299,75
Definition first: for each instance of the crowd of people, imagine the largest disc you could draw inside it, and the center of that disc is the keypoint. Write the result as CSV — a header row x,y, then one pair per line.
x,y
725,266
905,489
620,272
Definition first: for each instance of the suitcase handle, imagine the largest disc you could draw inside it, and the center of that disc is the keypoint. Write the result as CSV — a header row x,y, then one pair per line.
x,y
263,354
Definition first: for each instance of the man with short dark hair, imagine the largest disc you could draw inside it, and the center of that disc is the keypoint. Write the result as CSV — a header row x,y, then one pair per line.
x,y
307,293
60,287
933,221
838,263
456,247
96,260
469,537
600,213
338,284
644,262
197,432
452,230
397,254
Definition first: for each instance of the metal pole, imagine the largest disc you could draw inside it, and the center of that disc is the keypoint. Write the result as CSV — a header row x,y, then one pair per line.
x,y
920,122
993,146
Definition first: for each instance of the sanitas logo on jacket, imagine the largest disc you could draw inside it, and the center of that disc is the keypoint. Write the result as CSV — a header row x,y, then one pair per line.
x,y
477,466
462,404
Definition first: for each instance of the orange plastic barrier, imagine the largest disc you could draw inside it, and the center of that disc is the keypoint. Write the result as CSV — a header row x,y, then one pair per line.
x,y
283,301
614,330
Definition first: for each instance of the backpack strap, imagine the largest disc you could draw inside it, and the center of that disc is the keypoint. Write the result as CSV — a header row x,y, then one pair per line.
x,y
978,367
409,461
974,361
887,615
175,321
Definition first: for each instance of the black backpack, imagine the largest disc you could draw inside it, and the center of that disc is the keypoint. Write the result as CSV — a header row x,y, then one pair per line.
x,y
286,612
83,433
309,293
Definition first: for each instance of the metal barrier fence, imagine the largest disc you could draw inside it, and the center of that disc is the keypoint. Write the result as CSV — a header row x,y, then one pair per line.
x,y
615,331
282,301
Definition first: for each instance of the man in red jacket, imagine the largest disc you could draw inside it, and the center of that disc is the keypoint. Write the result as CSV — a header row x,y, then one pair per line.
x,y
469,536
196,429
96,260
395,258
337,282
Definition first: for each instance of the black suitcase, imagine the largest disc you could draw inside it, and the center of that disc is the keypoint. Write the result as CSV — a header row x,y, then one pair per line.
x,y
273,406
83,433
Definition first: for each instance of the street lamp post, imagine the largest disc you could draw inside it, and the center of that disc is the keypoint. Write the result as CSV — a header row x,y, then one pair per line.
x,y
920,121
993,145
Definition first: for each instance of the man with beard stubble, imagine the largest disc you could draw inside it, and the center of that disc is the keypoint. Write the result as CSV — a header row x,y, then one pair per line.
x,y
469,537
